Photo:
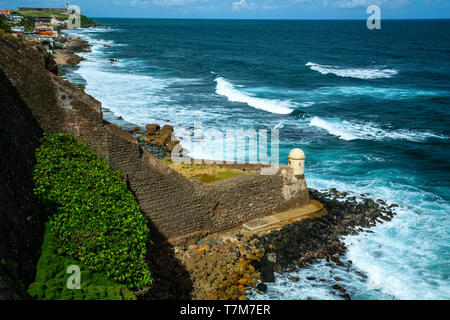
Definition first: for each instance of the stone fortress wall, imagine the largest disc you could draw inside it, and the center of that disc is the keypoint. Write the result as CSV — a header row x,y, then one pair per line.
x,y
178,207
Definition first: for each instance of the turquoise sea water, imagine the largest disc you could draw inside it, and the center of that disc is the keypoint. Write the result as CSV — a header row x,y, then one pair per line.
x,y
369,108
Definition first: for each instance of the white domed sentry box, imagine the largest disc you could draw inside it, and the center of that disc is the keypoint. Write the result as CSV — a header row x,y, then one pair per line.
x,y
297,162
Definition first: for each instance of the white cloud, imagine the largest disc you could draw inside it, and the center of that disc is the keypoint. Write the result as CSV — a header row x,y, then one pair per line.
x,y
350,4
140,3
243,4
173,3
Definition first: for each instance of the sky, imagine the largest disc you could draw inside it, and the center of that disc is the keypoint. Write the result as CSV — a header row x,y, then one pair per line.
x,y
249,9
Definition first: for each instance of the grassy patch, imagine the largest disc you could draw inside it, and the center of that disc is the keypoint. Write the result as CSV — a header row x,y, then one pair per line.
x,y
43,14
205,173
87,22
51,278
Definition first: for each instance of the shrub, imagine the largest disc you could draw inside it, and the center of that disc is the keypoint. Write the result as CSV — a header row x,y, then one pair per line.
x,y
87,22
4,25
51,278
91,212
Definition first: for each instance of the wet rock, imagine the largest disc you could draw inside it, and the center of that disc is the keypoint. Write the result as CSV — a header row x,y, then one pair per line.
x,y
160,137
267,273
339,288
272,257
251,259
256,264
172,144
151,129
261,287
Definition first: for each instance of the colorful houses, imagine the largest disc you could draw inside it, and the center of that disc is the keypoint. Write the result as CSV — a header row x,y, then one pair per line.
x,y
42,24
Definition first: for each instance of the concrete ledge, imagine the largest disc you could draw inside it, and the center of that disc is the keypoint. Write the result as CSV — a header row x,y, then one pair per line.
x,y
314,209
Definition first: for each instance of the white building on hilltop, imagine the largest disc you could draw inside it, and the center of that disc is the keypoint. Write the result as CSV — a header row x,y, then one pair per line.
x,y
74,20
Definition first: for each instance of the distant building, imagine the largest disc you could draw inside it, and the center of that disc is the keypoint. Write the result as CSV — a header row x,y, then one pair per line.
x,y
44,28
5,12
39,21
60,10
31,36
17,29
15,18
72,22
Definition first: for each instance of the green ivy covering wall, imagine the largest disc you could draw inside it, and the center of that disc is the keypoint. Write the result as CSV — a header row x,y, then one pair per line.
x,y
92,214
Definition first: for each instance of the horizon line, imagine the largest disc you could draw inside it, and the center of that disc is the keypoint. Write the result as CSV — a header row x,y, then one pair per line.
x,y
273,19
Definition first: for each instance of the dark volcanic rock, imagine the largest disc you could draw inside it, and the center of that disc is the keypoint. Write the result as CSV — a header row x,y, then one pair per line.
x,y
261,287
267,273
339,288
304,242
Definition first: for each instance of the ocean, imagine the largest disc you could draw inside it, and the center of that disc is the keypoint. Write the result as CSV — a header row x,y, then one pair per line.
x,y
370,109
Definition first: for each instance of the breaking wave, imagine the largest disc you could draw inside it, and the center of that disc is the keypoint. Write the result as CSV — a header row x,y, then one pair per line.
x,y
347,130
359,73
228,90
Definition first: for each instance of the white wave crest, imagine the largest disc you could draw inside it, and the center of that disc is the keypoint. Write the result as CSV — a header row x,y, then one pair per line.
x,y
228,90
347,130
359,73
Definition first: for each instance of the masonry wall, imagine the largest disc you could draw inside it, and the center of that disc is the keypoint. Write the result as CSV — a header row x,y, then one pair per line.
x,y
21,220
246,197
179,208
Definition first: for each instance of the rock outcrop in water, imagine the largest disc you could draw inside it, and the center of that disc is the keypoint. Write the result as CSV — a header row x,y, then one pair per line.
x,y
160,137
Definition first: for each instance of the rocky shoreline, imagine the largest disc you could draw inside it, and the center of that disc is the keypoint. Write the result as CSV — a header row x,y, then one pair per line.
x,y
230,269
67,55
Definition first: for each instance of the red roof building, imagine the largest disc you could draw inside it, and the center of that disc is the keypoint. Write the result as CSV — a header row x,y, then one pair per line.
x,y
6,12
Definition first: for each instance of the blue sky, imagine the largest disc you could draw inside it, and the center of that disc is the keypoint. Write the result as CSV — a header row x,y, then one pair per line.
x,y
250,9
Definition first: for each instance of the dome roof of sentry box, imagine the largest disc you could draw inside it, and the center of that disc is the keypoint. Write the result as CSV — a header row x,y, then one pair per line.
x,y
296,154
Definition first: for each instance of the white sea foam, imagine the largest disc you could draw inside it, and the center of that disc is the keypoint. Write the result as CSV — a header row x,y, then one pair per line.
x,y
377,92
359,73
401,258
233,94
352,130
